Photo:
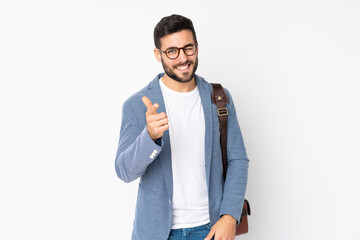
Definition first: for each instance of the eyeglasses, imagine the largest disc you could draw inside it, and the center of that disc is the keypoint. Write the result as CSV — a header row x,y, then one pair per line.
x,y
174,52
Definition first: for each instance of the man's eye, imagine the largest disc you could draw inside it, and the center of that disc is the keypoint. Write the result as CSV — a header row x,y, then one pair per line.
x,y
171,51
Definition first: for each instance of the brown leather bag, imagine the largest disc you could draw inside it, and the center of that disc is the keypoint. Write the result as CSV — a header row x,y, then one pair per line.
x,y
220,99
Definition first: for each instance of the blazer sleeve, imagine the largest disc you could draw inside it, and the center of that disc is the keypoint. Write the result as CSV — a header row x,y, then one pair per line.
x,y
136,150
237,167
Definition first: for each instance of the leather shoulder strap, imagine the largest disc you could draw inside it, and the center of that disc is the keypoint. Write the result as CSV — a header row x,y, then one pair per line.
x,y
220,99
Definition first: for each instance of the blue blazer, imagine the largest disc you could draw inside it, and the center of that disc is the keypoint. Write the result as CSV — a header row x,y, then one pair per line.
x,y
138,156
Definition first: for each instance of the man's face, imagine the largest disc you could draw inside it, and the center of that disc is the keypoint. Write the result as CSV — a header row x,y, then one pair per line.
x,y
181,69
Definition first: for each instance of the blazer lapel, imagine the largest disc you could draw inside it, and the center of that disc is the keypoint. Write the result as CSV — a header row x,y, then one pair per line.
x,y
205,96
165,156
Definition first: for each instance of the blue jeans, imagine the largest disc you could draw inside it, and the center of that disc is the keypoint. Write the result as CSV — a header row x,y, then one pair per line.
x,y
195,233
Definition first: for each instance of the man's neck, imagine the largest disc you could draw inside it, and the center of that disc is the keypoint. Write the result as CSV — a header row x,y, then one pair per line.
x,y
178,86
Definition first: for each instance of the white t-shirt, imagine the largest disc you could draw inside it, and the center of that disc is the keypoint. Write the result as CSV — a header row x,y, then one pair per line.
x,y
187,143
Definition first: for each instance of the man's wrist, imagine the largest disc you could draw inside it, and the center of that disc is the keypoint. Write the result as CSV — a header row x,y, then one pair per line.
x,y
229,218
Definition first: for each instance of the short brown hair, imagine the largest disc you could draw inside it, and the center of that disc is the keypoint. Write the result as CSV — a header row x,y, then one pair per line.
x,y
172,24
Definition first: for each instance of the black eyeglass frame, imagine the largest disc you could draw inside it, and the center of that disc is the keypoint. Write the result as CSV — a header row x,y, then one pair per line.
x,y
179,49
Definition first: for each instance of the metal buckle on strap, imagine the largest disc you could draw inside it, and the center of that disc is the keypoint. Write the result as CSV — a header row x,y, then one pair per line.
x,y
222,111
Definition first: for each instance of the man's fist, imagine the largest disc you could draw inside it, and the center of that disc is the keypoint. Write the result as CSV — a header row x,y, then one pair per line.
x,y
157,123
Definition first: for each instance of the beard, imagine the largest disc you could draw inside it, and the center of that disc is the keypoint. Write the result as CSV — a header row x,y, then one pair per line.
x,y
183,77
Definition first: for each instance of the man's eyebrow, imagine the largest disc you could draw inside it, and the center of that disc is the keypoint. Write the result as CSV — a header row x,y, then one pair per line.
x,y
181,47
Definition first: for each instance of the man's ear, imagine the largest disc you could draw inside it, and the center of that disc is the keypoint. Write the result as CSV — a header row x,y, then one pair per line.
x,y
157,55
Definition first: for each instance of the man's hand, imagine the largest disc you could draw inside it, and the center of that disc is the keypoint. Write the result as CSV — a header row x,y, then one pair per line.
x,y
224,229
157,123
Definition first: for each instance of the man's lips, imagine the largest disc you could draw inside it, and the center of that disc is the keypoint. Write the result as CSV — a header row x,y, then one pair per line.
x,y
183,67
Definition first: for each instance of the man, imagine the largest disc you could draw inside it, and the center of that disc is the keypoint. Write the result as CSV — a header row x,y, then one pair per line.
x,y
170,138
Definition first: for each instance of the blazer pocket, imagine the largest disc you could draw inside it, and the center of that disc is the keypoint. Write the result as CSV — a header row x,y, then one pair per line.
x,y
152,215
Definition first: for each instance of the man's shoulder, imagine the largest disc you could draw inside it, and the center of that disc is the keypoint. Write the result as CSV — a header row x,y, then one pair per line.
x,y
209,84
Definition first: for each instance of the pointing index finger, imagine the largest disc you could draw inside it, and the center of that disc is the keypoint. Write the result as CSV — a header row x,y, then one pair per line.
x,y
150,107
147,102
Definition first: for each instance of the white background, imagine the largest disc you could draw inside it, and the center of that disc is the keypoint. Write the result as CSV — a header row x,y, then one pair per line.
x,y
66,67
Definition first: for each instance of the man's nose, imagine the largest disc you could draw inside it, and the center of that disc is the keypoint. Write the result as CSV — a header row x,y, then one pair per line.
x,y
182,56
